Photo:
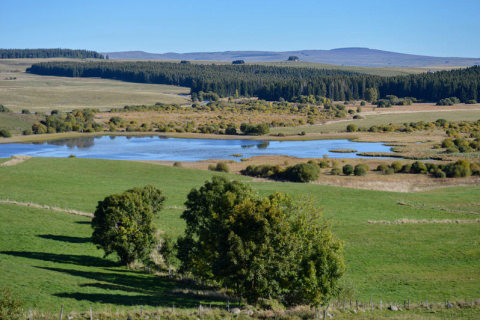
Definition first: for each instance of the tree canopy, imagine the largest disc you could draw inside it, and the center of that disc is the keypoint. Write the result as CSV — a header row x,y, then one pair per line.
x,y
48,53
268,247
273,82
123,223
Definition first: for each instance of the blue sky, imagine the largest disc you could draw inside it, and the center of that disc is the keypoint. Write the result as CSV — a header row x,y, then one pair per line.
x,y
427,27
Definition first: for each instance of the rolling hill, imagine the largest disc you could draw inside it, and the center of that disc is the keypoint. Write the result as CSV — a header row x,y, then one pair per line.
x,y
343,56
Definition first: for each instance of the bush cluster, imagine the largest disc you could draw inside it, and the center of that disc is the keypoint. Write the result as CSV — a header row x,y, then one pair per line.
x,y
461,145
77,120
458,169
448,101
452,129
302,172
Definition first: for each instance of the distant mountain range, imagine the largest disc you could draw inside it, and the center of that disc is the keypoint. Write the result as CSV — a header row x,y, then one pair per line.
x,y
345,56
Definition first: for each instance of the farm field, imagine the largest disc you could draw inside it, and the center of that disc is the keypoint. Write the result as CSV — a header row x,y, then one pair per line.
x,y
48,260
44,93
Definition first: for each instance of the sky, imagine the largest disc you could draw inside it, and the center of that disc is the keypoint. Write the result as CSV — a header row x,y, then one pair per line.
x,y
445,28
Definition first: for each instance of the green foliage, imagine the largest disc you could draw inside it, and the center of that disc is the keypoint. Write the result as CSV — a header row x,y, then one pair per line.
x,y
303,172
48,53
238,62
347,169
5,133
10,307
4,109
352,128
123,223
371,94
335,171
360,169
448,101
220,166
257,130
270,247
273,82
77,120
293,58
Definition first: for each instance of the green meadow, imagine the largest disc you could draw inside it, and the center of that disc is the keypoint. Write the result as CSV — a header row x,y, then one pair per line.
x,y
47,260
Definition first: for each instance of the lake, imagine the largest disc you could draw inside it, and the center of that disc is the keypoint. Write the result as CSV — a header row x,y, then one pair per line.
x,y
175,149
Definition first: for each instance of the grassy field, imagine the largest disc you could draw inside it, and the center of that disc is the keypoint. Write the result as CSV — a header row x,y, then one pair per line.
x,y
42,93
384,118
47,259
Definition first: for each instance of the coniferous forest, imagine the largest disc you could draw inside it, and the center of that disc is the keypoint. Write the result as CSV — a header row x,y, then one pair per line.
x,y
48,53
275,83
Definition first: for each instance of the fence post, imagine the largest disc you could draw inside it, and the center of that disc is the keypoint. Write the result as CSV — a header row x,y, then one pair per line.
x,y
344,303
427,304
381,305
173,308
30,314
91,313
61,313
356,304
408,304
141,311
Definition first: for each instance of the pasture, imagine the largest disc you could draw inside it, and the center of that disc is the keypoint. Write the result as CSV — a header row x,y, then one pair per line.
x,y
47,259
20,90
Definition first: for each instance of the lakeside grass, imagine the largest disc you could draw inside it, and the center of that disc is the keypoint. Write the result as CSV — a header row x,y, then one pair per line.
x,y
385,118
43,93
389,262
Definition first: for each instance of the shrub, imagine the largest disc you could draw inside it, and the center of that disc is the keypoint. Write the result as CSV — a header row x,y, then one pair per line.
x,y
459,169
303,172
352,128
25,111
231,130
323,164
220,167
471,101
363,103
27,132
177,164
396,166
347,169
4,109
418,167
448,101
5,133
10,307
382,167
360,169
335,171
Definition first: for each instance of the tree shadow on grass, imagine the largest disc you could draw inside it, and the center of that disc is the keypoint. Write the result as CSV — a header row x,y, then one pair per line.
x,y
151,290
65,238
83,222
82,260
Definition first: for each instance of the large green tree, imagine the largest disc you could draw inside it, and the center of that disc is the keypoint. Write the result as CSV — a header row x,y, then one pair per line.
x,y
261,248
123,223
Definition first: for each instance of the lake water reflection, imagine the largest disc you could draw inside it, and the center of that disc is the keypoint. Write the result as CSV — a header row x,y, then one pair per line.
x,y
163,148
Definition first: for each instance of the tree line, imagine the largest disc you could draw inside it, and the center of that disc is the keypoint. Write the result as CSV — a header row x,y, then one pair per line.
x,y
48,53
276,83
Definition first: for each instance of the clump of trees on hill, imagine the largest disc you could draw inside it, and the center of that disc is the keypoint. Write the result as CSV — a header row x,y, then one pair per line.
x,y
274,83
259,248
48,53
458,169
57,121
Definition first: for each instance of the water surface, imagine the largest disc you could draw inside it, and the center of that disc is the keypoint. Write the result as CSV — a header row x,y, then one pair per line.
x,y
163,148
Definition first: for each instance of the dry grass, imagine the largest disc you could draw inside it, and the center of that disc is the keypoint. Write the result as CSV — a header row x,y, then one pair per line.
x,y
15,160
42,93
423,221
